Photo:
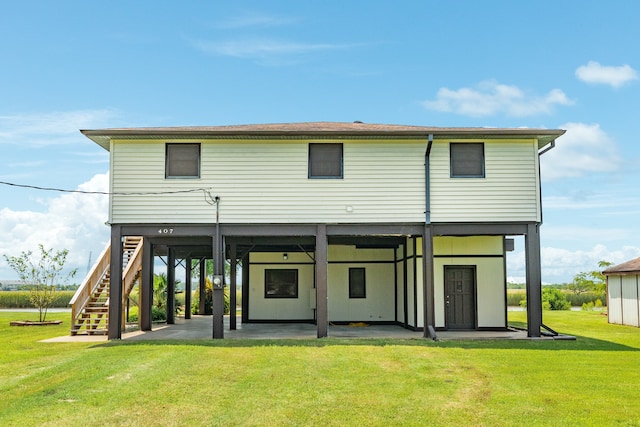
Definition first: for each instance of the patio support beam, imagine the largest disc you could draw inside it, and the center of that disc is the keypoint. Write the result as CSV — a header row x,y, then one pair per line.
x,y
428,279
171,287
233,286
187,285
321,280
146,286
115,285
218,290
534,281
202,287
245,288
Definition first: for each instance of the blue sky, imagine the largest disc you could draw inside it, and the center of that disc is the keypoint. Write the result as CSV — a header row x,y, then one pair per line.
x,y
79,65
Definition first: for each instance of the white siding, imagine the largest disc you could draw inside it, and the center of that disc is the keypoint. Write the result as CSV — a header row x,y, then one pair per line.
x,y
266,182
490,278
508,192
630,300
261,308
623,299
614,302
414,283
378,305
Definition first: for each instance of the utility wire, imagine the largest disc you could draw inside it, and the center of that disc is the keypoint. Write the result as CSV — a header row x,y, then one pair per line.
x,y
145,193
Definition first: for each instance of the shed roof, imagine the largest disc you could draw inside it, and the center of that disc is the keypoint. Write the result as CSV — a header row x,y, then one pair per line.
x,y
632,266
316,129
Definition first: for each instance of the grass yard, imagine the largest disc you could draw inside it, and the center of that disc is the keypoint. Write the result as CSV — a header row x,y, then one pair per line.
x,y
328,382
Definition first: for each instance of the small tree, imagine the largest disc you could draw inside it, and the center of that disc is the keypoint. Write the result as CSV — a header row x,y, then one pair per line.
x,y
590,281
41,276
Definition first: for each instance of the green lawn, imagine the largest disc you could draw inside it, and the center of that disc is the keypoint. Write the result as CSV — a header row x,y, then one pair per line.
x,y
591,381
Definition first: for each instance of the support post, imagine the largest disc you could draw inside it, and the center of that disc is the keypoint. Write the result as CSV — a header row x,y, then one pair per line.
x,y
321,280
245,288
218,288
202,292
187,287
428,285
534,281
115,285
146,286
171,287
232,287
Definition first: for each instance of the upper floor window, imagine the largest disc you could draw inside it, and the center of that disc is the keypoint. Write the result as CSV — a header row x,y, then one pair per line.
x,y
325,160
182,161
467,159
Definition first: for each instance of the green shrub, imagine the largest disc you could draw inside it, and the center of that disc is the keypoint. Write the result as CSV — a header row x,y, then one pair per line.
x,y
195,303
157,315
587,306
556,299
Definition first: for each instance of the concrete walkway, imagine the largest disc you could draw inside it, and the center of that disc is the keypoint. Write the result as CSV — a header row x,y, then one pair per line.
x,y
201,327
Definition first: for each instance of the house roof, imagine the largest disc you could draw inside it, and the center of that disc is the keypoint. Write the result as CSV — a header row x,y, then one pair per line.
x,y
632,266
318,129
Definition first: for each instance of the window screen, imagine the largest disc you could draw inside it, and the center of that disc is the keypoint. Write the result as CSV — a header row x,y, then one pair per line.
x,y
357,285
325,160
467,160
183,161
281,283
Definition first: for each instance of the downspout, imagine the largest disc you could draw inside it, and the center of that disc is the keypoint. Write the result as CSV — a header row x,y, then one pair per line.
x,y
427,251
550,147
540,153
427,180
532,243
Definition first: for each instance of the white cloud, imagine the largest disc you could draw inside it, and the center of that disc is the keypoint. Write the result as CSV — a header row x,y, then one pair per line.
x,y
70,221
267,51
582,150
491,97
255,19
561,265
50,128
595,73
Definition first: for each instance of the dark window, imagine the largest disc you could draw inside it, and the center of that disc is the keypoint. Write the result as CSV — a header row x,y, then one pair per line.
x,y
325,160
182,161
467,160
281,283
357,286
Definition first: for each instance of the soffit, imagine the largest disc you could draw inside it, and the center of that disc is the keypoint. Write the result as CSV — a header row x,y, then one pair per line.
x,y
316,130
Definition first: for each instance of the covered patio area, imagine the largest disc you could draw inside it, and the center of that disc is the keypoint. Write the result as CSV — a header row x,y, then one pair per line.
x,y
201,328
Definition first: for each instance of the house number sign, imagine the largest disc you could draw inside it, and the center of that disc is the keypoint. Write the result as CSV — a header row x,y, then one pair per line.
x,y
165,231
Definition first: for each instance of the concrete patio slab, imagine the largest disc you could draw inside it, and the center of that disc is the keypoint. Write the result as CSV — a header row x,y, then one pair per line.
x,y
201,327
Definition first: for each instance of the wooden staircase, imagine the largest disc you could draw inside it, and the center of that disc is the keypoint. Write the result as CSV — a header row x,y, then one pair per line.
x,y
90,304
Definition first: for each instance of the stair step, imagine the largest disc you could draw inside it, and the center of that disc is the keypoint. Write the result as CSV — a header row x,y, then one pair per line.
x,y
102,331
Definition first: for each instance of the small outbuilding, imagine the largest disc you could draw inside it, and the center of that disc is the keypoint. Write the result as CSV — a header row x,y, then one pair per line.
x,y
623,293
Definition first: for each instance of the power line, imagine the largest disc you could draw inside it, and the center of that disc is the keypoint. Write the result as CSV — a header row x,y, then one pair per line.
x,y
107,193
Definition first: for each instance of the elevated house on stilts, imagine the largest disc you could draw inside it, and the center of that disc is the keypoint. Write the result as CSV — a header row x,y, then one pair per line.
x,y
332,222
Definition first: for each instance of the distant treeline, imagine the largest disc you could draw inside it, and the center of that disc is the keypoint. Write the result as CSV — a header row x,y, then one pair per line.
x,y
577,300
20,299
4,287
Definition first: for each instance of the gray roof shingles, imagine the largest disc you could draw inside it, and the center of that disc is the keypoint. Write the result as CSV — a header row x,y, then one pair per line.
x,y
632,266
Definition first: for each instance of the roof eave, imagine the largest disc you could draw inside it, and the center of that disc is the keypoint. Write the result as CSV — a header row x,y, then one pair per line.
x,y
103,137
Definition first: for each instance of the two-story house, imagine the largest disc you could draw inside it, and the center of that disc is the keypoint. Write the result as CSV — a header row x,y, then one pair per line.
x,y
333,222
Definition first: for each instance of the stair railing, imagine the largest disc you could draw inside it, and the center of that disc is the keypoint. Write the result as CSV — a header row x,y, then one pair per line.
x,y
130,274
90,283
